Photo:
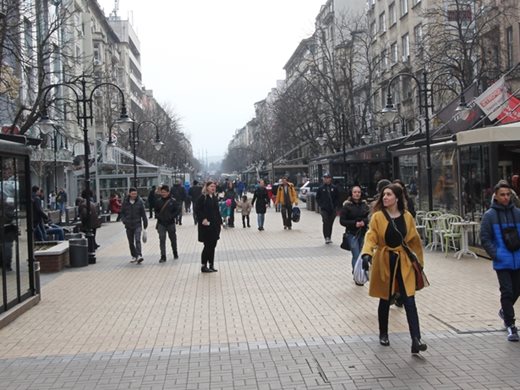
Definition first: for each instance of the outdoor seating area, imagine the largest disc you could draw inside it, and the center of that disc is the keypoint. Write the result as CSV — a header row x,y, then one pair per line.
x,y
447,232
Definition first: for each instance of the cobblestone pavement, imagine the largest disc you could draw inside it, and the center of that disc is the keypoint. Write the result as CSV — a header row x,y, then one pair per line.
x,y
281,313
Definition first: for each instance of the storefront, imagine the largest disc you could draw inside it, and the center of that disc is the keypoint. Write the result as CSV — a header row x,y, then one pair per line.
x,y
17,277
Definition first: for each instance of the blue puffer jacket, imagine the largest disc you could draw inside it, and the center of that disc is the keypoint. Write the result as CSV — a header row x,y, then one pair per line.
x,y
491,235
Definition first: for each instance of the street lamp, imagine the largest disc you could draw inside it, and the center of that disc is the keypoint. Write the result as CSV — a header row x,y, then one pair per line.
x,y
84,113
425,105
134,135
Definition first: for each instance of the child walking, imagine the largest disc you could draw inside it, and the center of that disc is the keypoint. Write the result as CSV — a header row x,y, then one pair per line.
x,y
245,205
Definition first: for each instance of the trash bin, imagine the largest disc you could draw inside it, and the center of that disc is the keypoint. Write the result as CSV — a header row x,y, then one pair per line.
x,y
78,252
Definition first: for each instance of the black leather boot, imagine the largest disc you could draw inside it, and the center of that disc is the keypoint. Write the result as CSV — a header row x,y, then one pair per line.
x,y
418,346
383,340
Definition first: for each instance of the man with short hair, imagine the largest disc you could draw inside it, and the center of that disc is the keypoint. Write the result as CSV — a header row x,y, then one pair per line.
x,y
166,212
500,238
327,198
194,193
133,216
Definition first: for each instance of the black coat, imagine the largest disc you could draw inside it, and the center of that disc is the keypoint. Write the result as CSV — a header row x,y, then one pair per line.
x,y
261,198
207,208
167,215
353,212
326,202
133,214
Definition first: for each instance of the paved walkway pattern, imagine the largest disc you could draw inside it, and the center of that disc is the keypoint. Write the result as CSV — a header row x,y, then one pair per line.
x,y
281,313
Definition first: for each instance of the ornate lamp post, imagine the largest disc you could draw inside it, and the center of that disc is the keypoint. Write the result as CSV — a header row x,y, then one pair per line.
x,y
424,104
84,114
134,139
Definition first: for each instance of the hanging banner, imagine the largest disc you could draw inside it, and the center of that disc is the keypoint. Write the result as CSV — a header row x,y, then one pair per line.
x,y
457,121
511,113
492,98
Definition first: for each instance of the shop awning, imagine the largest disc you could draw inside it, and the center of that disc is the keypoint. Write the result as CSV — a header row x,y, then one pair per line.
x,y
504,133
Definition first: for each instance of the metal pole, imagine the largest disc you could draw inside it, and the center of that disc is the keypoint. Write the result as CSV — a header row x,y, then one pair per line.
x,y
428,151
134,131
344,132
89,234
55,162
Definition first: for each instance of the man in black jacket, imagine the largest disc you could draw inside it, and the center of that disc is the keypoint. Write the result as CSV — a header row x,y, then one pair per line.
x,y
194,193
327,198
132,213
166,212
179,194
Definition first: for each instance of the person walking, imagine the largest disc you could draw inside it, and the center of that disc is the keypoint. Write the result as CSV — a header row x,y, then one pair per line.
x,y
133,216
327,198
390,243
500,238
245,210
39,216
286,197
231,194
209,225
152,196
61,201
354,216
179,194
166,210
194,193
115,206
261,200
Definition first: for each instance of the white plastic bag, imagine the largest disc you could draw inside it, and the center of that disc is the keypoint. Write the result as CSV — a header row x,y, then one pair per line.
x,y
360,275
145,236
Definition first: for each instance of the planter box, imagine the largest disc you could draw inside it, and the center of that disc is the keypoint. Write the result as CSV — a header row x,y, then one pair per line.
x,y
53,256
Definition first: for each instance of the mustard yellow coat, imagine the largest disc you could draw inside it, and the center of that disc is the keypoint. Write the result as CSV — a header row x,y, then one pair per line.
x,y
376,247
280,195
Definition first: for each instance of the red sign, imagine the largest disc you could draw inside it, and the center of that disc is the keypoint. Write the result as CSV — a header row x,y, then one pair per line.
x,y
511,113
10,129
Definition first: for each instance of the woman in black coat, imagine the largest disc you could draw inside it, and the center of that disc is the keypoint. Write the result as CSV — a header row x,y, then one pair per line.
x,y
209,221
260,201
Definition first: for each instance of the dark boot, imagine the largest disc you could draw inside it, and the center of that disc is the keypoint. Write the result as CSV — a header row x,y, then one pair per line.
x,y
212,268
205,269
175,254
418,346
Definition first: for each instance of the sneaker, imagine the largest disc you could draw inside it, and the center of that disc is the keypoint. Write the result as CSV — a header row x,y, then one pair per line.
x,y
134,260
140,260
162,260
501,315
512,333
328,240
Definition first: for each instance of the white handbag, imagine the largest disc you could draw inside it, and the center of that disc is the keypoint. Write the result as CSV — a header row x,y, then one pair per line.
x,y
145,236
360,275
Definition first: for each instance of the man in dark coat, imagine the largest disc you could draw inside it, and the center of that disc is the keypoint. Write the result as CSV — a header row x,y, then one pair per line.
x,y
39,216
327,198
166,211
179,194
194,193
260,201
133,216
151,200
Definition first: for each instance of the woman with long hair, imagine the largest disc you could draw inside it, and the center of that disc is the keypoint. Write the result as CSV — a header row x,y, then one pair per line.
x,y
209,221
391,243
409,201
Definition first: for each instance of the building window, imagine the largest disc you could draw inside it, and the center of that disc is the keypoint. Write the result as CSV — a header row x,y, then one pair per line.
x,y
382,22
405,43
392,16
404,7
384,59
373,29
417,34
509,42
393,53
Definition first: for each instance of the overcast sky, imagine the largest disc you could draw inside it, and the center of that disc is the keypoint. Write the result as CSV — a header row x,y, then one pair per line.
x,y
212,60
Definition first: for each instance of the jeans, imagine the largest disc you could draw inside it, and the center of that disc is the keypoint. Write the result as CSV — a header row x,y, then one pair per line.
x,y
134,241
287,215
383,310
57,231
509,281
356,244
260,218
8,254
327,218
39,233
162,230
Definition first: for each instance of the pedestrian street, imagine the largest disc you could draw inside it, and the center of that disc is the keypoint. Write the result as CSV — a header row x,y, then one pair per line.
x,y
282,312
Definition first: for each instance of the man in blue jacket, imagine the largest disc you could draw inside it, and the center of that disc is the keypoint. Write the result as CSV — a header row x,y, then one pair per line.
x,y
498,233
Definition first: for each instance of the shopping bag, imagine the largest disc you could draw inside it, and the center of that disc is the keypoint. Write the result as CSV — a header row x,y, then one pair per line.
x,y
360,275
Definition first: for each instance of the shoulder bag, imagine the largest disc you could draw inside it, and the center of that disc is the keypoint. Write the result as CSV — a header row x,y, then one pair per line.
x,y
510,234
421,280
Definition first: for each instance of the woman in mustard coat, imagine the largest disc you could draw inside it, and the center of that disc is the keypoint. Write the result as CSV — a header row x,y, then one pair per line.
x,y
392,272
286,197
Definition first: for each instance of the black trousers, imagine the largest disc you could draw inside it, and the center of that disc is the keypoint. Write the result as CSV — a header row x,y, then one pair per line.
x,y
509,281
287,216
383,310
245,220
208,253
328,221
